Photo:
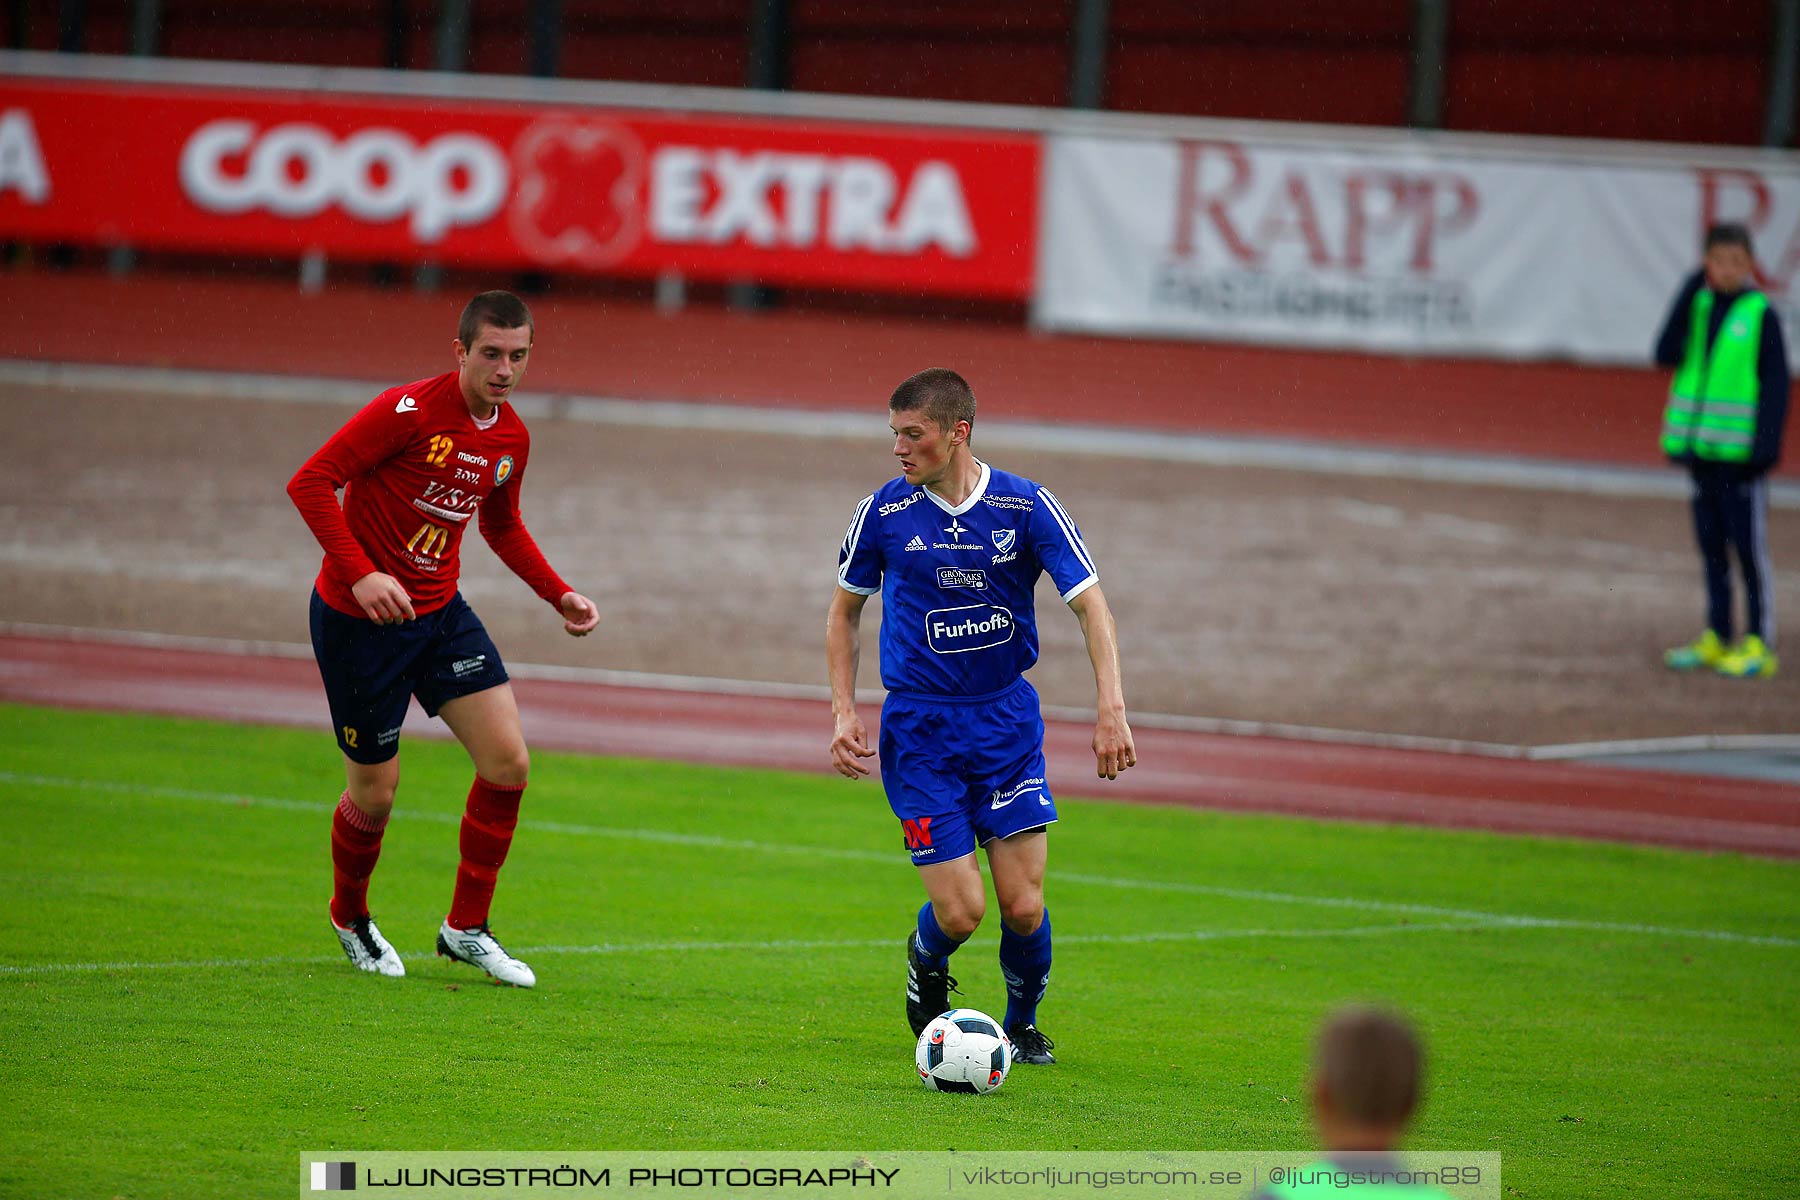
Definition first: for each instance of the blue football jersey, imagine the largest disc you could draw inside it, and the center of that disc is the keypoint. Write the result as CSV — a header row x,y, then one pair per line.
x,y
957,583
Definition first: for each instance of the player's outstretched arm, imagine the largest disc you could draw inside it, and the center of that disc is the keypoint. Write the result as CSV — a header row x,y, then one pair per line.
x,y
843,653
1114,750
580,615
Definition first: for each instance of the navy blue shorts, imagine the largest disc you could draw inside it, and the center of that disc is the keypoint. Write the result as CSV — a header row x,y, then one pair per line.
x,y
371,670
962,771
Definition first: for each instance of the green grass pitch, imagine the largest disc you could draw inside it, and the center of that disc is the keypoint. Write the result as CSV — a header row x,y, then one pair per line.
x,y
720,960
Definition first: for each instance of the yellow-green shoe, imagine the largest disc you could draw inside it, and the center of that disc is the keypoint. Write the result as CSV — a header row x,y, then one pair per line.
x,y
1704,651
1750,660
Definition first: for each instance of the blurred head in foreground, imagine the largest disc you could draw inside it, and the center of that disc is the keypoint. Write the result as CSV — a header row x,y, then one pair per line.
x,y
1368,1069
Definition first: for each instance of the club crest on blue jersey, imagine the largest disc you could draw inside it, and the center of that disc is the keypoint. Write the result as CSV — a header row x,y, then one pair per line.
x,y
1004,539
503,471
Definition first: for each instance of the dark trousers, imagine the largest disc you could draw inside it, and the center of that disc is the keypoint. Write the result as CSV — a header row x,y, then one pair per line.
x,y
1731,517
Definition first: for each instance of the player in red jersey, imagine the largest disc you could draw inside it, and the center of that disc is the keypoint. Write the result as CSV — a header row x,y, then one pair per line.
x,y
388,622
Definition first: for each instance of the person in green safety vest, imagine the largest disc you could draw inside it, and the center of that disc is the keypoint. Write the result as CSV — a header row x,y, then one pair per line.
x,y
1368,1074
1724,419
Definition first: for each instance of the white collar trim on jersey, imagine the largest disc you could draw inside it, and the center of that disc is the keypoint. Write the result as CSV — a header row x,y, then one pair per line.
x,y
974,496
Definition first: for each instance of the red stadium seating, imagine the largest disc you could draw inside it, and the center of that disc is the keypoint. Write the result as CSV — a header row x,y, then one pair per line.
x,y
338,33
1666,70
1346,62
695,42
1000,52
1669,70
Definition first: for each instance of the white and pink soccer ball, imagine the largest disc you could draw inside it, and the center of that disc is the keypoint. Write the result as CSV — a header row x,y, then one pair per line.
x,y
963,1051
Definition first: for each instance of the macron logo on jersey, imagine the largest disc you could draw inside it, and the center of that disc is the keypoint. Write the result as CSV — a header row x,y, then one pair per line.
x,y
407,404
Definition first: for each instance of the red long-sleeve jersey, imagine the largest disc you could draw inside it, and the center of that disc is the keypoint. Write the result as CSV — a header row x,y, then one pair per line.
x,y
415,468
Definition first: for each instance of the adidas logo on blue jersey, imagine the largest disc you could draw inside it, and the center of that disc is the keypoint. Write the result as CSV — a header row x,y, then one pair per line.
x,y
918,543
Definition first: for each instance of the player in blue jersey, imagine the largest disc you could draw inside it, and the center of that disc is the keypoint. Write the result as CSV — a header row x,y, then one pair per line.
x,y
955,548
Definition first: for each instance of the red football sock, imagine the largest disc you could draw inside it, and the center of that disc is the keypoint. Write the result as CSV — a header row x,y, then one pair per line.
x,y
355,845
487,833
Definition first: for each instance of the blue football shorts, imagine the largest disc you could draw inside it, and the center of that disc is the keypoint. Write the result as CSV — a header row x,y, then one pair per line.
x,y
371,670
961,771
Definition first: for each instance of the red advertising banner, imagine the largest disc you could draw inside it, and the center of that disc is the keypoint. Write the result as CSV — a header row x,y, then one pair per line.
x,y
809,203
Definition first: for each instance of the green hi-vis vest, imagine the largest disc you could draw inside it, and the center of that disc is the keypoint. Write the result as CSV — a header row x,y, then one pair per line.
x,y
1712,402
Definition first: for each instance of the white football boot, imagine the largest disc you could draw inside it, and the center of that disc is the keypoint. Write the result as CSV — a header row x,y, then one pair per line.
x,y
478,948
366,949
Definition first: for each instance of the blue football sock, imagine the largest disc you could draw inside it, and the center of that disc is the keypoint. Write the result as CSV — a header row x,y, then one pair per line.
x,y
935,946
1025,963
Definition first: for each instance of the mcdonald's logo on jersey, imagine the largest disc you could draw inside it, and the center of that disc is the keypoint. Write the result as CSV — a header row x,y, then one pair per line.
x,y
430,540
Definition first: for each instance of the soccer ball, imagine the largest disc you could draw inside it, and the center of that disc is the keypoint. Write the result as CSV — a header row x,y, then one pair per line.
x,y
963,1051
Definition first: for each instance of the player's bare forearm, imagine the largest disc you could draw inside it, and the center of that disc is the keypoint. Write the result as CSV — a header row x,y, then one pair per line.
x,y
1102,638
1114,748
843,647
843,654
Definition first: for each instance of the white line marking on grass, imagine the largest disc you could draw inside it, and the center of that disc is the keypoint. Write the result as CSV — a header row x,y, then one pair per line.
x,y
1486,919
194,964
758,947
669,837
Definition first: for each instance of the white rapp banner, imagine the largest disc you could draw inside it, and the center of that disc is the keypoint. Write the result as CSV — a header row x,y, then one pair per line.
x,y
1403,249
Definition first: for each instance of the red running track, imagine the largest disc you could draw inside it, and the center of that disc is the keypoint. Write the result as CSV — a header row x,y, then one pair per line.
x,y
1194,770
827,361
